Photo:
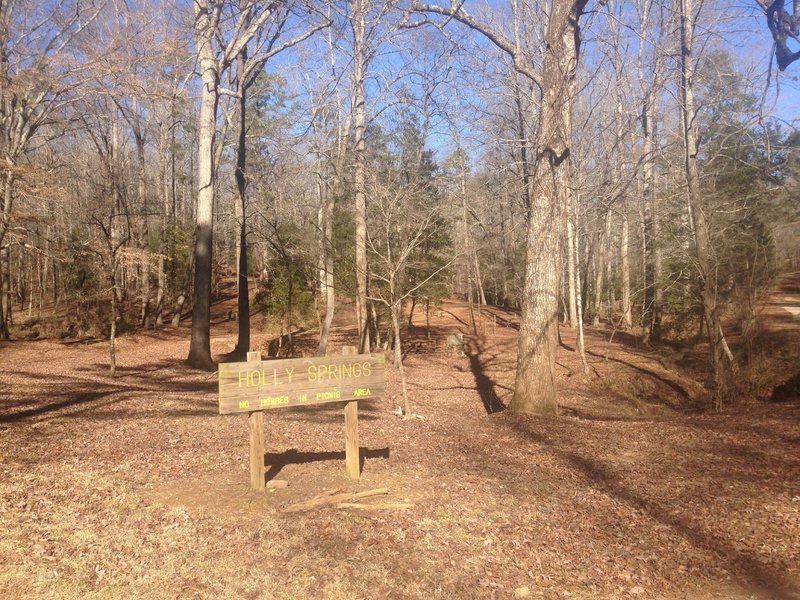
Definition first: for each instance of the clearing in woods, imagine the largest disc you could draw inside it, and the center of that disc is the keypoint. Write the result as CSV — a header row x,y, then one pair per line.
x,y
136,487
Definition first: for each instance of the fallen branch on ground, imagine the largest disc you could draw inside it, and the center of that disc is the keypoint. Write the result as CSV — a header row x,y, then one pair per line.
x,y
333,498
375,506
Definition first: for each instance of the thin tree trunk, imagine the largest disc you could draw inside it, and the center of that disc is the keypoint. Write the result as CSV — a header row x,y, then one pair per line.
x,y
43,276
575,249
523,146
112,336
30,286
376,324
5,288
479,281
144,241
428,318
5,292
163,188
326,209
398,360
411,311
116,201
651,308
600,268
359,74
624,244
571,277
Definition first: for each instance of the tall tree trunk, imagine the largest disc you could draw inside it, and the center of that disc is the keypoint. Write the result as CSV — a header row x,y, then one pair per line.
x,y
705,260
535,386
603,258
625,265
116,226
571,277
144,242
326,199
163,189
359,75
651,310
200,345
523,145
5,290
5,287
580,348
243,304
112,336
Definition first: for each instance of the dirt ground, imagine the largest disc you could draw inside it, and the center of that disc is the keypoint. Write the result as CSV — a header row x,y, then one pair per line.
x,y
137,488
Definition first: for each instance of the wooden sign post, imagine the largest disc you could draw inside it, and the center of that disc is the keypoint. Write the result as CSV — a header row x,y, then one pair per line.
x,y
351,458
255,426
256,385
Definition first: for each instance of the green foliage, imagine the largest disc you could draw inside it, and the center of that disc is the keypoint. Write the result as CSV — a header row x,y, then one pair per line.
x,y
177,248
737,169
344,240
286,297
409,234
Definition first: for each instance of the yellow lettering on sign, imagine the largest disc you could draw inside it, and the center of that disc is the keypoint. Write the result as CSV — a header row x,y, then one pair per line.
x,y
329,395
342,371
302,397
362,392
244,403
256,378
274,400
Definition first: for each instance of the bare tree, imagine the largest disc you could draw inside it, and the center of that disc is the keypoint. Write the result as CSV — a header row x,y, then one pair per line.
x,y
408,218
38,79
535,385
270,38
222,30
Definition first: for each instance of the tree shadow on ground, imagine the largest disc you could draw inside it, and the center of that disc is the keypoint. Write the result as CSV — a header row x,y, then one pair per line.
x,y
753,574
790,415
480,360
75,399
70,396
276,461
672,384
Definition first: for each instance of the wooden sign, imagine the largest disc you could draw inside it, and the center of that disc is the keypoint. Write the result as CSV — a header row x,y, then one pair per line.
x,y
265,384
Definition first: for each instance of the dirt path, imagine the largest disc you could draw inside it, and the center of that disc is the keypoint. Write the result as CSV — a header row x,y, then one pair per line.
x,y
136,487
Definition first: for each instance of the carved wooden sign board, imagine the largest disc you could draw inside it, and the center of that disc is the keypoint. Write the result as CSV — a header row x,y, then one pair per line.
x,y
265,384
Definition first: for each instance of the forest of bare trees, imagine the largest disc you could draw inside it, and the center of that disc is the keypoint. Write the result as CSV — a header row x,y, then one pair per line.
x,y
631,164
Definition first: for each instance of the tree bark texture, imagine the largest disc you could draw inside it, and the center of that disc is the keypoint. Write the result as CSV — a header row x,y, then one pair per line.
x,y
243,291
200,345
572,309
5,288
535,386
359,176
